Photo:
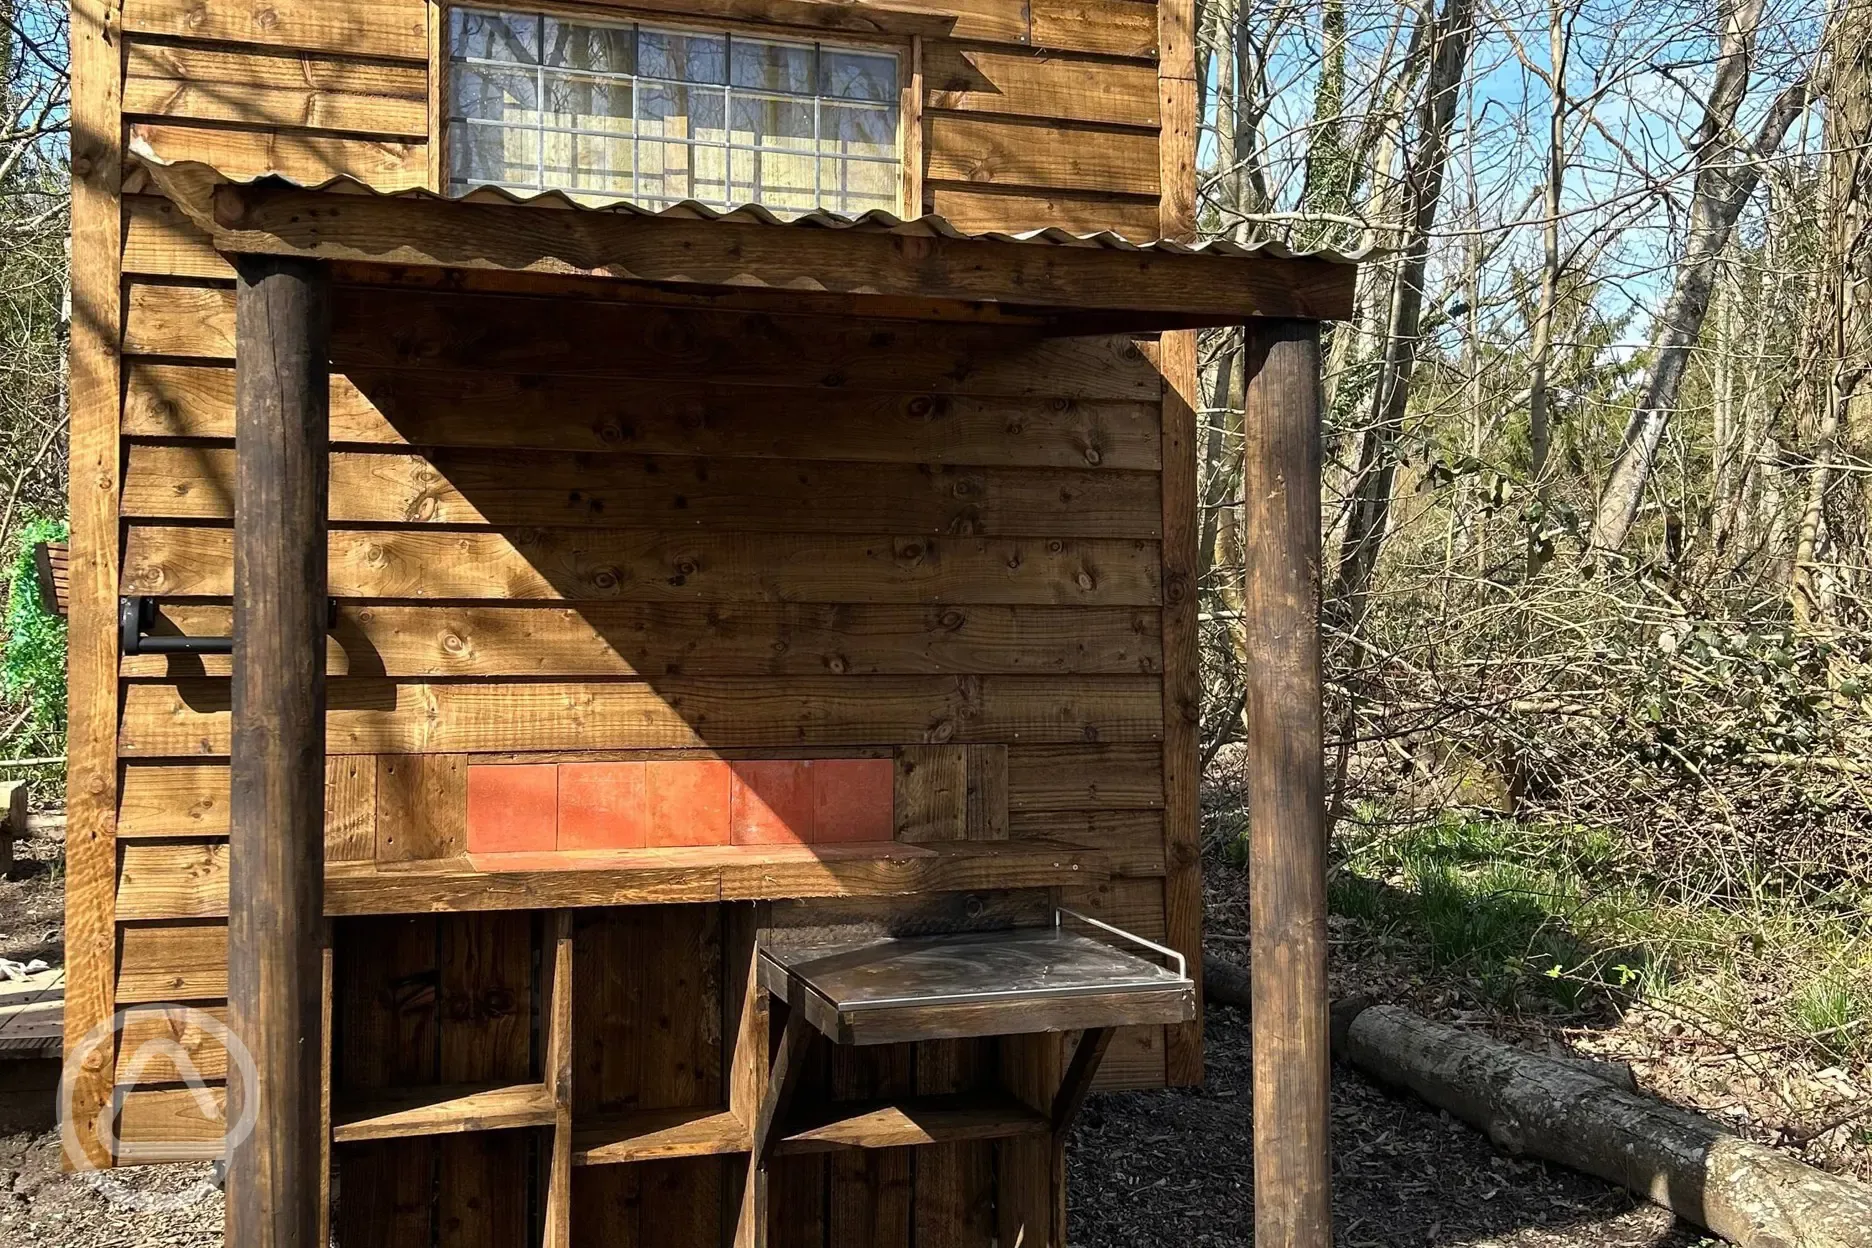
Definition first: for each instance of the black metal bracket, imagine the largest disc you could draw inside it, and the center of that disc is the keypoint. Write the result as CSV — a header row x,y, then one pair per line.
x,y
136,614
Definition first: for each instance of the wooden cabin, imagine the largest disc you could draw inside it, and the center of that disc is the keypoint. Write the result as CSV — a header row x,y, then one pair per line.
x,y
631,578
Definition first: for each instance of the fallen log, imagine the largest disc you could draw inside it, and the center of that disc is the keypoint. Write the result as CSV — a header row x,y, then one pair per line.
x,y
1586,1116
1537,1106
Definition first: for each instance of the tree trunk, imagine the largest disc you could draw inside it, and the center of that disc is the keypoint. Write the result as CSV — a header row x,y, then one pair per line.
x,y
1726,175
1370,509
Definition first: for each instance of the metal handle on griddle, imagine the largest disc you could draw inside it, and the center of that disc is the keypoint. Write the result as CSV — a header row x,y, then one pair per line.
x,y
1182,967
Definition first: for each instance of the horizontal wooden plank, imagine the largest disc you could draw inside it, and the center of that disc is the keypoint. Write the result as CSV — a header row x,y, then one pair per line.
x,y
964,148
1076,777
1136,905
299,156
684,417
579,564
1057,86
916,1122
386,328
997,21
366,716
1110,27
255,88
385,28
159,241
169,800
165,880
160,1125
171,962
189,800
755,639
1135,1059
474,487
657,1135
975,208
171,1044
173,880
452,1110
1132,840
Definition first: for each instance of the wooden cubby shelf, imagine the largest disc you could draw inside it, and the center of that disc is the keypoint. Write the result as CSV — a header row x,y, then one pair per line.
x,y
442,1110
917,1121
658,1135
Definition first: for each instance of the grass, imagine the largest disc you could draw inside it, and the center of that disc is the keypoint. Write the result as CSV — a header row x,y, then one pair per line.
x,y
1554,916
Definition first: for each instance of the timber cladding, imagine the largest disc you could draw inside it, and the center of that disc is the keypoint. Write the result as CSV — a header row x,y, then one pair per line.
x,y
567,531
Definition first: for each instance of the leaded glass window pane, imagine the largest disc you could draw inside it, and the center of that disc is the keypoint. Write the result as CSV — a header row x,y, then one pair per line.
x,y
657,115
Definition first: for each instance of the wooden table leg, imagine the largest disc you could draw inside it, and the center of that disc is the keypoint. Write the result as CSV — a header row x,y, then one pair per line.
x,y
783,1080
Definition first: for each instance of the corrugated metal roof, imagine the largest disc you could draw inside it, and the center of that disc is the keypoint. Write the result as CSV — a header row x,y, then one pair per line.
x,y
201,178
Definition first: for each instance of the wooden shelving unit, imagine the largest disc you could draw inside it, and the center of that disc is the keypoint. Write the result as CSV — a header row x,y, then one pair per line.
x,y
658,1135
915,1122
443,1110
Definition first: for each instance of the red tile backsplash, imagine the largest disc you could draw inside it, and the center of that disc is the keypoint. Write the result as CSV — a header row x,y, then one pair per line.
x,y
772,804
513,808
542,808
602,806
853,800
687,800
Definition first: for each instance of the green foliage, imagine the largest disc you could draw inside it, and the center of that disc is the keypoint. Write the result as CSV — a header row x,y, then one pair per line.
x,y
32,675
1831,1013
1502,902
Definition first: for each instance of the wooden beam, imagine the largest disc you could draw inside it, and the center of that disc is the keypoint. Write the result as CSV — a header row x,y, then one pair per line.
x,y
91,768
558,1079
276,881
444,1109
1077,1083
429,232
1286,787
180,879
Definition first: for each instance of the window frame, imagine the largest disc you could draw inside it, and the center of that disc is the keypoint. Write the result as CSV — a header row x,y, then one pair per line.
x,y
906,50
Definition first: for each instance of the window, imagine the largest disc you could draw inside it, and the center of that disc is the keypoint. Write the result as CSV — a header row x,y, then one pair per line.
x,y
656,115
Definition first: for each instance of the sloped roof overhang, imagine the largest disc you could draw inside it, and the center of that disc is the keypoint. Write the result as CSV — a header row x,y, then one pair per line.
x,y
1088,283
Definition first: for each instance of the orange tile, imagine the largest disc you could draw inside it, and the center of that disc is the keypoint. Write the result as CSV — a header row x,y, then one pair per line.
x,y
773,803
512,808
687,802
601,806
853,800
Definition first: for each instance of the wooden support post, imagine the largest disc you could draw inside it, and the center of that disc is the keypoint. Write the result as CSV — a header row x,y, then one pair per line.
x,y
785,1072
557,1070
276,886
1286,786
1077,1083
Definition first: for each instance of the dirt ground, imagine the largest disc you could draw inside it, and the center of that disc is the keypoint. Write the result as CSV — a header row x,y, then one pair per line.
x,y
1169,1167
